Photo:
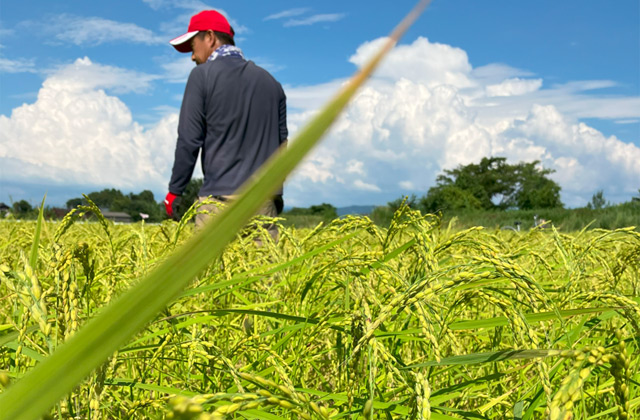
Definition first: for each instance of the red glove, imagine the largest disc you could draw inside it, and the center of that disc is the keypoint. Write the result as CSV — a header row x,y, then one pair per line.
x,y
170,203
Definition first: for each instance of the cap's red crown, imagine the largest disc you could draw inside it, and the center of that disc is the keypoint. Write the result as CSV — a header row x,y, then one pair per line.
x,y
203,21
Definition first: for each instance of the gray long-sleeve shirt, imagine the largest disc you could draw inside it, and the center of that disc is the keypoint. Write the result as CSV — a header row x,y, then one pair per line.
x,y
235,112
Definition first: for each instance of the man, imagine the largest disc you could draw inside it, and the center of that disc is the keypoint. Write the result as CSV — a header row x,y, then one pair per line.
x,y
233,112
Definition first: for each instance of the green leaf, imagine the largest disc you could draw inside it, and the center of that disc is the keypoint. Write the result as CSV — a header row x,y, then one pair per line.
x,y
517,410
27,351
13,336
486,357
132,383
531,317
259,414
100,337
633,404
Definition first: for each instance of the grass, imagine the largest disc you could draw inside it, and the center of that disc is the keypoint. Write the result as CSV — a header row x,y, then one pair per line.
x,y
566,220
348,320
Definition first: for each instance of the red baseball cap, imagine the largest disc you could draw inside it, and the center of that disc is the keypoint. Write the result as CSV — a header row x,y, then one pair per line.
x,y
203,21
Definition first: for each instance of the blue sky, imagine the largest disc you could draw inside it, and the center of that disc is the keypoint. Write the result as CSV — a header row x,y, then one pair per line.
x,y
89,93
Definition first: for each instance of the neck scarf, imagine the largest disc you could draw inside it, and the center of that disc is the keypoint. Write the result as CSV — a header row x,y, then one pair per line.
x,y
226,51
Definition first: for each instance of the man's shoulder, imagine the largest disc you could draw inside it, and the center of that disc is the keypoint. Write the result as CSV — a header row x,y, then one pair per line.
x,y
230,62
209,69
261,71
227,68
234,62
197,71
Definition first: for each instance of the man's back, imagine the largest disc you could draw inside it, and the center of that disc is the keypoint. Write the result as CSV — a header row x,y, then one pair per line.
x,y
240,109
233,112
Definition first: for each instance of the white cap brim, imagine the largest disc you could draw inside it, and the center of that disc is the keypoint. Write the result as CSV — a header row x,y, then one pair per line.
x,y
182,43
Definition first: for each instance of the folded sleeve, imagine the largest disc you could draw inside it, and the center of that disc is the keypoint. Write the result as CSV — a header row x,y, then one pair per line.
x,y
282,119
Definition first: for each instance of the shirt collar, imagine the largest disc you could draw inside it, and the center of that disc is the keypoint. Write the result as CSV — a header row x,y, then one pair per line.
x,y
226,51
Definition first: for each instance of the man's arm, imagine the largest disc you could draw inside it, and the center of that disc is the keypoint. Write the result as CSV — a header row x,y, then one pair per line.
x,y
191,132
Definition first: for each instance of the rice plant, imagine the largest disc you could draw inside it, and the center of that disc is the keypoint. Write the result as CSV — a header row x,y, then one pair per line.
x,y
347,320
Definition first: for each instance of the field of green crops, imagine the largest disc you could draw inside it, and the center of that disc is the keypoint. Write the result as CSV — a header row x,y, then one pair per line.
x,y
343,321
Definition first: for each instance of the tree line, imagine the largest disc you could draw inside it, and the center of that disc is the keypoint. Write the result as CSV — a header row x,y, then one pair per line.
x,y
137,206
493,191
489,185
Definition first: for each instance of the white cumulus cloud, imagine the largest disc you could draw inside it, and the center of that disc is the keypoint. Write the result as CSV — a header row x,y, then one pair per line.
x,y
515,86
361,185
288,13
83,75
77,134
427,109
311,20
407,185
355,166
81,30
428,63
178,70
18,65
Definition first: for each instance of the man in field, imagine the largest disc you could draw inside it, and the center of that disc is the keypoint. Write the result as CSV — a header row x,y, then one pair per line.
x,y
233,112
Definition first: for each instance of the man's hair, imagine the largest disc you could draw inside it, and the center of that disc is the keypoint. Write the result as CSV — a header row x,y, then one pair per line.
x,y
225,39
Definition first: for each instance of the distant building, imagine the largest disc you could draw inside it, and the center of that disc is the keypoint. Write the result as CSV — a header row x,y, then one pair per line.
x,y
117,216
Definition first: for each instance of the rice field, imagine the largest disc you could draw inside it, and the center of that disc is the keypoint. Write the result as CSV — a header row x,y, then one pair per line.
x,y
344,321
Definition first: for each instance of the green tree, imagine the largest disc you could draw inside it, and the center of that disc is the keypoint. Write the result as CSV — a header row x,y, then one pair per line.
x,y
145,195
533,189
597,201
450,197
325,210
22,208
74,202
144,203
493,184
110,199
